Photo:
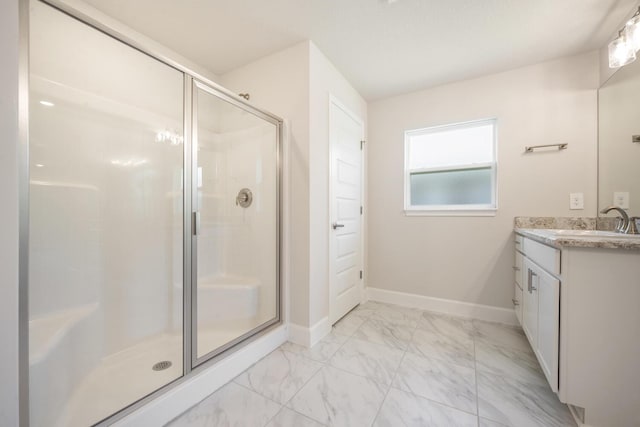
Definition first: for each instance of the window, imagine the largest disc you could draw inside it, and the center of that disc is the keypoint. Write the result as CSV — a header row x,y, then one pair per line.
x,y
451,169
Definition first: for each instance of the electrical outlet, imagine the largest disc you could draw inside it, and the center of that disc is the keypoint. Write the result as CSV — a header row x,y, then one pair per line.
x,y
576,201
621,199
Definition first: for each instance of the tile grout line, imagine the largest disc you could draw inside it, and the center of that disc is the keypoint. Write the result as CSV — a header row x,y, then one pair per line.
x,y
261,395
438,357
328,364
284,405
324,363
274,416
446,405
394,376
347,338
430,399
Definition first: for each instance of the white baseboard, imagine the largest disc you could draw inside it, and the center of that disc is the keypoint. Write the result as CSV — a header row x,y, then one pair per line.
x,y
174,402
308,337
446,306
299,335
576,417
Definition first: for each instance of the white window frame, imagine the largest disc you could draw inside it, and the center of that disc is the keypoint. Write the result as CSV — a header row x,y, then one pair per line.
x,y
452,210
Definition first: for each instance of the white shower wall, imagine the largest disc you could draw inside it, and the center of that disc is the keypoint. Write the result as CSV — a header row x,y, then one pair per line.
x,y
95,165
85,247
234,240
105,207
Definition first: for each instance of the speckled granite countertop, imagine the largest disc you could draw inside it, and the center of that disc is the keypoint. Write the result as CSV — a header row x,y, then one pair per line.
x,y
559,239
562,232
559,223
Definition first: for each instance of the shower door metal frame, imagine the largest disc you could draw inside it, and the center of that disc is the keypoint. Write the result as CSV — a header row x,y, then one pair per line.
x,y
192,78
23,216
199,85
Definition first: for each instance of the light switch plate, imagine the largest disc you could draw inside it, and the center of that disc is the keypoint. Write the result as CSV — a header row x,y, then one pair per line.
x,y
621,199
576,201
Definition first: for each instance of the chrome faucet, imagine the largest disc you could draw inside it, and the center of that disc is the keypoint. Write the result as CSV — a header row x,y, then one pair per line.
x,y
623,223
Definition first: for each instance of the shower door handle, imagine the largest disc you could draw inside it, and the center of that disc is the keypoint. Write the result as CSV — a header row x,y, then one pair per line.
x,y
196,223
335,225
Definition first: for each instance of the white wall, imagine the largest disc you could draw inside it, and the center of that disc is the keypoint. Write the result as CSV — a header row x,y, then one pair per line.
x,y
470,259
325,80
9,213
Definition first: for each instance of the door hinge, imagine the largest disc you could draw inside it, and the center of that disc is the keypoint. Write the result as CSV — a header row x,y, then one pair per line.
x,y
361,210
361,274
362,144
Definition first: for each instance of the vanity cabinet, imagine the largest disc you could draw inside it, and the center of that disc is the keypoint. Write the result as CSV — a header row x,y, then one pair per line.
x,y
579,310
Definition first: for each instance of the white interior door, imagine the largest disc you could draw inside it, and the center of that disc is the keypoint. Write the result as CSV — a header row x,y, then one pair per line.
x,y
345,241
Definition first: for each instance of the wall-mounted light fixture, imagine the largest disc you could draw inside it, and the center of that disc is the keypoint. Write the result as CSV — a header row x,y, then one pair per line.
x,y
622,50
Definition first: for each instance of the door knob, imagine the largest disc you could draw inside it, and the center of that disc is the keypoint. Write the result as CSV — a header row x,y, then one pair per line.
x,y
336,225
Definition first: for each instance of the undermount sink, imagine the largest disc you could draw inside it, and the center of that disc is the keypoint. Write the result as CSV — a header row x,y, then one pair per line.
x,y
595,233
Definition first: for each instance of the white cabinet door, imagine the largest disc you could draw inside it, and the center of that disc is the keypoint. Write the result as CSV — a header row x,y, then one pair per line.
x,y
548,289
541,317
530,303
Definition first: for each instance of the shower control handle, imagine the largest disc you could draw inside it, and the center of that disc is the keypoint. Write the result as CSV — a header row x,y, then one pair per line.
x,y
335,225
244,198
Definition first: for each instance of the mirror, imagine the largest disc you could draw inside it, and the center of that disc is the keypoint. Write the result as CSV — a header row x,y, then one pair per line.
x,y
618,155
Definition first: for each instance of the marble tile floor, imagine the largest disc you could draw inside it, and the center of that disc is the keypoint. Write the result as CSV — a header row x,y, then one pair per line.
x,y
386,365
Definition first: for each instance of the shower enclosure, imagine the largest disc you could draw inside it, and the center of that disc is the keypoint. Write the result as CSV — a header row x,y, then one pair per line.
x,y
153,222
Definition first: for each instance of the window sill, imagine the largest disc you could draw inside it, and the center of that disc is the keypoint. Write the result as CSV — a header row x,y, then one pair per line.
x,y
451,212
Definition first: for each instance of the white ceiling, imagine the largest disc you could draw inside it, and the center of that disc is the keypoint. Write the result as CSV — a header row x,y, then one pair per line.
x,y
382,48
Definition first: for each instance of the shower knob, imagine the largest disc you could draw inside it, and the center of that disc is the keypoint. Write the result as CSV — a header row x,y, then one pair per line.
x,y
244,198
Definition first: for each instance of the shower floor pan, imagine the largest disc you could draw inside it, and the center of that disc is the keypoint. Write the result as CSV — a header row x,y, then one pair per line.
x,y
128,376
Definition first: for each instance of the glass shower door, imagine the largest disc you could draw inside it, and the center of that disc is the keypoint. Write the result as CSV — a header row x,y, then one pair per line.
x,y
106,222
235,196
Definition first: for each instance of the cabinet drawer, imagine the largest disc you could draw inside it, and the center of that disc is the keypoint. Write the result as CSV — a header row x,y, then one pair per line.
x,y
543,255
